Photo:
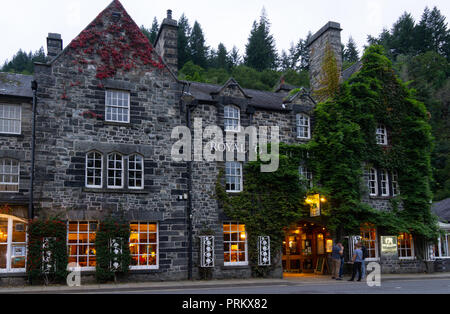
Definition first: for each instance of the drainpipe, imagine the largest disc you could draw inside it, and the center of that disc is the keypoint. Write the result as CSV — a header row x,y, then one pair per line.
x,y
34,87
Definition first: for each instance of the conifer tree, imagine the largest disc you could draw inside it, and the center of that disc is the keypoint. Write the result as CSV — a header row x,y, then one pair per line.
x,y
197,47
184,32
351,53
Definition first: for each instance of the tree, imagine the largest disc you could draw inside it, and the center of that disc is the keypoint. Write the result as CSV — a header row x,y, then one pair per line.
x,y
223,61
260,51
197,47
432,32
23,62
351,53
184,32
235,58
152,33
403,40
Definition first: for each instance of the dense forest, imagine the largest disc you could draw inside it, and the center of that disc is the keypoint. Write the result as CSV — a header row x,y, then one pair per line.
x,y
419,50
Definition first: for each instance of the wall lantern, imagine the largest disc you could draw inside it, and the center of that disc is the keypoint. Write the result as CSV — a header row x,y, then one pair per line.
x,y
315,202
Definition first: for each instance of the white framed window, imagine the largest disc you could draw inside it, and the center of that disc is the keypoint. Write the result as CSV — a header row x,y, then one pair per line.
x,y
94,170
115,171
442,249
232,119
395,185
136,172
144,245
369,238
405,246
372,181
13,244
81,243
306,176
303,126
235,244
382,135
9,175
384,182
10,119
233,177
117,106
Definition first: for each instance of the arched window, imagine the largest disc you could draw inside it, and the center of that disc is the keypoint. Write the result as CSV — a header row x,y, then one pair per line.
x,y
9,175
13,244
232,119
135,172
303,126
94,170
115,171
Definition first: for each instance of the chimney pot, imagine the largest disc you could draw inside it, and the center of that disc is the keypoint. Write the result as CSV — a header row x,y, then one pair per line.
x,y
54,45
169,14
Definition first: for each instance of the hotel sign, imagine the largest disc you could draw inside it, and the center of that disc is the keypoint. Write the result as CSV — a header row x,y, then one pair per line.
x,y
389,245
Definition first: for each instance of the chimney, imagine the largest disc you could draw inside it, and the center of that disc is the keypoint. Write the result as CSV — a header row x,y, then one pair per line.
x,y
54,45
166,43
329,34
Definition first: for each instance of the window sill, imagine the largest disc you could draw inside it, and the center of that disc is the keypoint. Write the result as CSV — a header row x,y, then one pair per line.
x,y
12,135
115,191
122,124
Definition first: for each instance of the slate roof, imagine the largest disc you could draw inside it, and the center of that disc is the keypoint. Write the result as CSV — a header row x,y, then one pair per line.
x,y
259,99
18,85
347,73
442,209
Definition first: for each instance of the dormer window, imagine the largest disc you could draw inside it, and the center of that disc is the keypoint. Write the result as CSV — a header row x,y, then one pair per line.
x,y
232,119
117,106
303,126
382,135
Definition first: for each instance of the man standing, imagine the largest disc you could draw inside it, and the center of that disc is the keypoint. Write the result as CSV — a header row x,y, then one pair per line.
x,y
336,260
357,262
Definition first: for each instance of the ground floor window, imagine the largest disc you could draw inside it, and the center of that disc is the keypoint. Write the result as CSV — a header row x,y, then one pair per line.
x,y
81,243
235,244
13,244
144,245
442,249
405,246
370,240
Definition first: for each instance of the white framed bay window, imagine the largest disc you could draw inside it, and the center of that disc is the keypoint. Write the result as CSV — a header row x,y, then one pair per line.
x,y
406,246
13,244
117,106
144,245
442,250
9,175
235,244
10,119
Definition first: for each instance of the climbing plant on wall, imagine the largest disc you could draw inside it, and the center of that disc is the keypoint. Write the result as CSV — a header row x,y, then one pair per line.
x,y
113,249
47,250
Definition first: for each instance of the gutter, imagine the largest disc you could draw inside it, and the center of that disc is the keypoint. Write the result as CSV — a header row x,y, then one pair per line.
x,y
34,87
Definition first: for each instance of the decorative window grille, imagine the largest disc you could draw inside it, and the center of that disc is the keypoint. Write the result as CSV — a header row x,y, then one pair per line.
x,y
207,251
48,264
116,248
94,170
135,172
235,244
382,135
117,106
303,126
405,246
9,175
233,177
384,178
115,171
10,119
232,119
264,251
81,243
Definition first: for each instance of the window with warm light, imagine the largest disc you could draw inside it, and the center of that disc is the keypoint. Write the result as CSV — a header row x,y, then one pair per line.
x,y
81,243
9,175
370,240
405,246
235,244
320,244
13,244
144,245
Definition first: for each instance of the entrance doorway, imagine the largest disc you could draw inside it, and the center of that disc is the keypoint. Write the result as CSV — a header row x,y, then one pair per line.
x,y
304,245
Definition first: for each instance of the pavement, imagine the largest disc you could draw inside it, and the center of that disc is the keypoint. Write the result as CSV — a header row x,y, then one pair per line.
x,y
289,279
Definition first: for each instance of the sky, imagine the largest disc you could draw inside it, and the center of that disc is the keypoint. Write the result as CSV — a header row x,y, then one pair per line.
x,y
25,24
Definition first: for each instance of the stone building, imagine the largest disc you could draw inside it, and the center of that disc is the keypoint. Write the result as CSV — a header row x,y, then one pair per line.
x,y
107,105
